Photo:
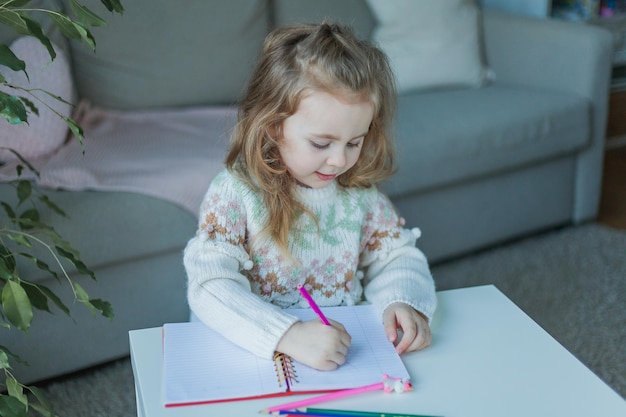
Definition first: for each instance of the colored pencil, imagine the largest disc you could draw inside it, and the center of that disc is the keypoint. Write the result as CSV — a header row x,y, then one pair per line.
x,y
313,305
321,398
305,413
324,412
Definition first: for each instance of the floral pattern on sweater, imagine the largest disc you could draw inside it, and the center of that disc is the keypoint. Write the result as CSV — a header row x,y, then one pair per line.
x,y
350,230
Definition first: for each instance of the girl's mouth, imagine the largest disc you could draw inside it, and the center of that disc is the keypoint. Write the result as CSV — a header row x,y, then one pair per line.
x,y
325,177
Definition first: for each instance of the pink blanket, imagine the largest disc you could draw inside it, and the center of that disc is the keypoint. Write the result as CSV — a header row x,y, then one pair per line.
x,y
172,155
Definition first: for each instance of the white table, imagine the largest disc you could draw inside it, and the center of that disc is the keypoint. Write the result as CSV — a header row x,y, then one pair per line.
x,y
488,358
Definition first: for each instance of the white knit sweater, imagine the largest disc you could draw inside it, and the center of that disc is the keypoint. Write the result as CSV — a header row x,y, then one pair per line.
x,y
238,281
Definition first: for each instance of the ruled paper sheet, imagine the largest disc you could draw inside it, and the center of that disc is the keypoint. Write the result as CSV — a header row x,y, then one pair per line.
x,y
370,355
202,366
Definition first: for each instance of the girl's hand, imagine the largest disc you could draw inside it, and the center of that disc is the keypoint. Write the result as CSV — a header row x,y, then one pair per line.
x,y
414,326
316,345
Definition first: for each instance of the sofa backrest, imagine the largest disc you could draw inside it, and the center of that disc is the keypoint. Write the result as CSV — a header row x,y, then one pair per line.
x,y
355,13
163,53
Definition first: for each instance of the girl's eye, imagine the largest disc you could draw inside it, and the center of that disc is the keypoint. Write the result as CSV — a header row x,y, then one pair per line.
x,y
354,144
319,146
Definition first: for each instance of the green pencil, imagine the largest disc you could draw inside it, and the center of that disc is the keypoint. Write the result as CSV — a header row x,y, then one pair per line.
x,y
348,413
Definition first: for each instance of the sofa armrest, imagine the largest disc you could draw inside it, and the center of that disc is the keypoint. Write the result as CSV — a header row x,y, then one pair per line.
x,y
556,55
547,53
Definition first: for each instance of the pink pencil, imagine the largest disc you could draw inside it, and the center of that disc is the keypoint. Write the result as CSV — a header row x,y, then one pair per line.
x,y
325,397
388,385
313,305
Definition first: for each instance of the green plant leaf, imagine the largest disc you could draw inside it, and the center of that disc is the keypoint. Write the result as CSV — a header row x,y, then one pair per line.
x,y
45,412
35,29
21,240
12,356
73,30
7,257
37,299
86,35
51,205
24,190
17,305
80,293
13,19
56,97
19,168
14,3
16,390
113,6
85,15
29,219
65,25
45,409
78,264
12,407
10,60
8,209
65,245
29,103
5,272
40,264
54,298
4,360
96,306
104,307
77,131
12,109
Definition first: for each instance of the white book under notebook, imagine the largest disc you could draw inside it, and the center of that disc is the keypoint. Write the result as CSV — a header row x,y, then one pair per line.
x,y
200,366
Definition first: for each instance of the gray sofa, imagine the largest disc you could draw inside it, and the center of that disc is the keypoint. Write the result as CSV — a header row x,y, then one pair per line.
x,y
476,166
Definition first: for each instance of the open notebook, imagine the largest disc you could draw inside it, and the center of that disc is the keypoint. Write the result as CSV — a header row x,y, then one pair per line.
x,y
200,366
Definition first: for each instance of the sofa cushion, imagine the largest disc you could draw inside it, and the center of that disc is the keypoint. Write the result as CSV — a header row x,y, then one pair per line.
x,y
112,228
163,53
46,131
431,44
169,154
354,13
453,136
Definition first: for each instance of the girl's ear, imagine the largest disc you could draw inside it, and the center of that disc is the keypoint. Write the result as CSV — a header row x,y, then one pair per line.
x,y
275,131
271,131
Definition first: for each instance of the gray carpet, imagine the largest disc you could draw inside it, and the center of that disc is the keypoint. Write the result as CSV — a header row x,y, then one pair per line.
x,y
571,281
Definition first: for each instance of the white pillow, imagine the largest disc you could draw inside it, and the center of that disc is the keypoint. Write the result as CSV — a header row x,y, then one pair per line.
x,y
430,43
45,132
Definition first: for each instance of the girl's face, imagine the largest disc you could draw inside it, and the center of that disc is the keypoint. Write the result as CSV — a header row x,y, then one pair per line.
x,y
324,137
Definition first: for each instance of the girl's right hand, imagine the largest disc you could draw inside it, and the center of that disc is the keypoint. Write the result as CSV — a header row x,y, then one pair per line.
x,y
316,345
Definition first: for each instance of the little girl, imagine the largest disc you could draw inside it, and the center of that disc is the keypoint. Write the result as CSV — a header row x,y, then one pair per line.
x,y
298,205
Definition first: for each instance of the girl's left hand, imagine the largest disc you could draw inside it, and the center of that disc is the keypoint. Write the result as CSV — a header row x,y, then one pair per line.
x,y
414,326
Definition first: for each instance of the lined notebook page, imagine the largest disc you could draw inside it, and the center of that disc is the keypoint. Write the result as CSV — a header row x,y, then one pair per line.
x,y
370,355
201,365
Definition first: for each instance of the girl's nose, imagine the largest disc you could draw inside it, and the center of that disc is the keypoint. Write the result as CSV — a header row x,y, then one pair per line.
x,y
337,158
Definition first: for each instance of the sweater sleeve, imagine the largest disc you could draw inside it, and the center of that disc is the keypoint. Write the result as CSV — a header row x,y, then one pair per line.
x,y
218,292
396,271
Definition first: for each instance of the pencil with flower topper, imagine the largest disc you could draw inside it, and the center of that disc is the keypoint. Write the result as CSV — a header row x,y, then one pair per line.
x,y
388,384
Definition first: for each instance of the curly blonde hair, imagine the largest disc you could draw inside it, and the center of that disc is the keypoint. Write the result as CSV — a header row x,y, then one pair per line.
x,y
320,57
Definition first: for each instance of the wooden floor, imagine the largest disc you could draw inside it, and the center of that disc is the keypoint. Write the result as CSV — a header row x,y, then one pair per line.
x,y
613,199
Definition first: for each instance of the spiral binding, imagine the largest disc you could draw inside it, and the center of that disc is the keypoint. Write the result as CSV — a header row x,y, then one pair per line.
x,y
285,370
